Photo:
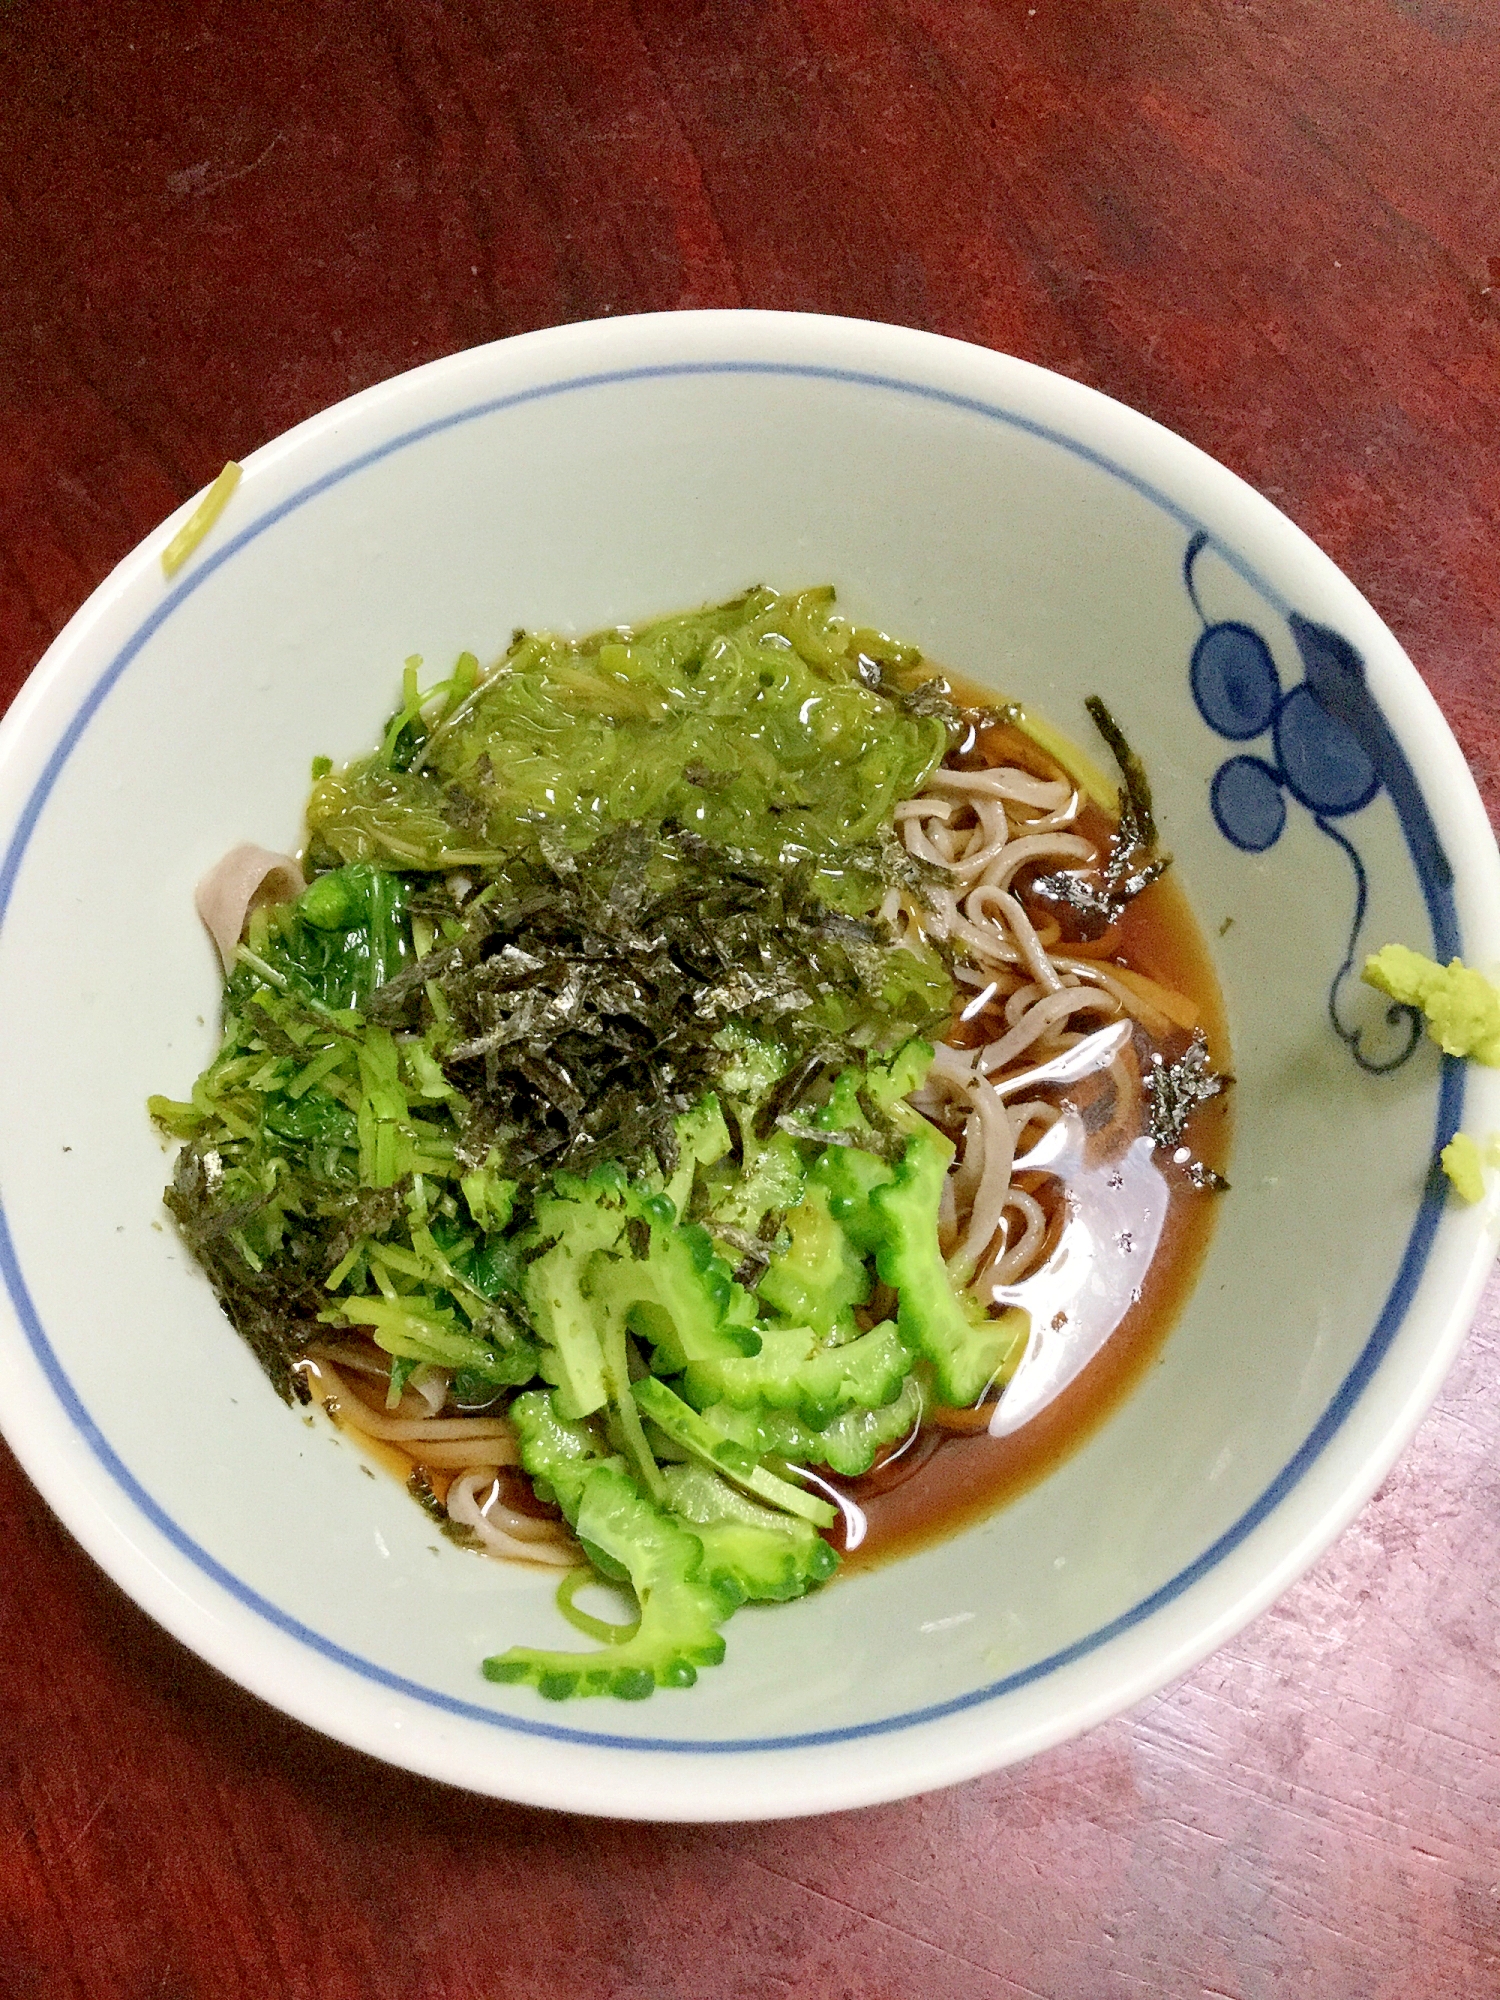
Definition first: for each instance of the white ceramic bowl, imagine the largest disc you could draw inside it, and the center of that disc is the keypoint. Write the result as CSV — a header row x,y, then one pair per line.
x,y
1023,530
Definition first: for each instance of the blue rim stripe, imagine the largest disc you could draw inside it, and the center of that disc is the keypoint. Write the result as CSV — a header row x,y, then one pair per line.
x,y
1441,910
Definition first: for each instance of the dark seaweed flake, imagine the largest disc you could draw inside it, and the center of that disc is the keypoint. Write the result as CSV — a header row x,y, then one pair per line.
x,y
707,780
1132,863
584,1015
1175,1090
930,698
419,1486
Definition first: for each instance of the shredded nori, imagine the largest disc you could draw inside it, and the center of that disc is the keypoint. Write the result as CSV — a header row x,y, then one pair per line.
x,y
273,1308
1174,1091
1132,863
586,1008
419,1486
931,697
1137,786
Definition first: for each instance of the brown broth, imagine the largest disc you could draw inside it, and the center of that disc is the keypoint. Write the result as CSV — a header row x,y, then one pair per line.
x,y
1097,1349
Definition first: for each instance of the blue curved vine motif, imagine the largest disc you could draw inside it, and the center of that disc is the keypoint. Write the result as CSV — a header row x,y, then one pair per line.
x,y
1331,751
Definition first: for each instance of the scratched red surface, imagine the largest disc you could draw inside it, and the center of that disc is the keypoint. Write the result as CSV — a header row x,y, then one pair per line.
x,y
1276,227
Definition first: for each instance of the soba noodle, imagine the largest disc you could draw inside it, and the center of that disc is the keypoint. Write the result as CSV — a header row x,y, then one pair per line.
x,y
473,1449
474,1502
1037,997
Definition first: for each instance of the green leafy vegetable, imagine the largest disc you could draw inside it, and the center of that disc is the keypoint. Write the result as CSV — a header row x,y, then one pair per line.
x,y
576,1074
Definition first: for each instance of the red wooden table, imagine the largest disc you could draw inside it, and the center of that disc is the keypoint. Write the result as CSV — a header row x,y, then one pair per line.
x,y
1272,224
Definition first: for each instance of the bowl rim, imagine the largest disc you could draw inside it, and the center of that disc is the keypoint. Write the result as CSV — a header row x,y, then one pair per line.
x,y
810,347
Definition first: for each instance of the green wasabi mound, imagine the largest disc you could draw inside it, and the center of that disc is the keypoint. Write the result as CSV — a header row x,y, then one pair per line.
x,y
1462,1006
1462,1163
575,1081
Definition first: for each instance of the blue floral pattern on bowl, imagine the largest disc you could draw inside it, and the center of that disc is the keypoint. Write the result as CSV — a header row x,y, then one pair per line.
x,y
1331,752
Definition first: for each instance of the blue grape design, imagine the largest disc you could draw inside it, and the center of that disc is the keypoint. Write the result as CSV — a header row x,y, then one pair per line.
x,y
1330,750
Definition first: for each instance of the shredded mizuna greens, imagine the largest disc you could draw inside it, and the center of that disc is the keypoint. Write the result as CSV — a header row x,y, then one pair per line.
x,y
578,1070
